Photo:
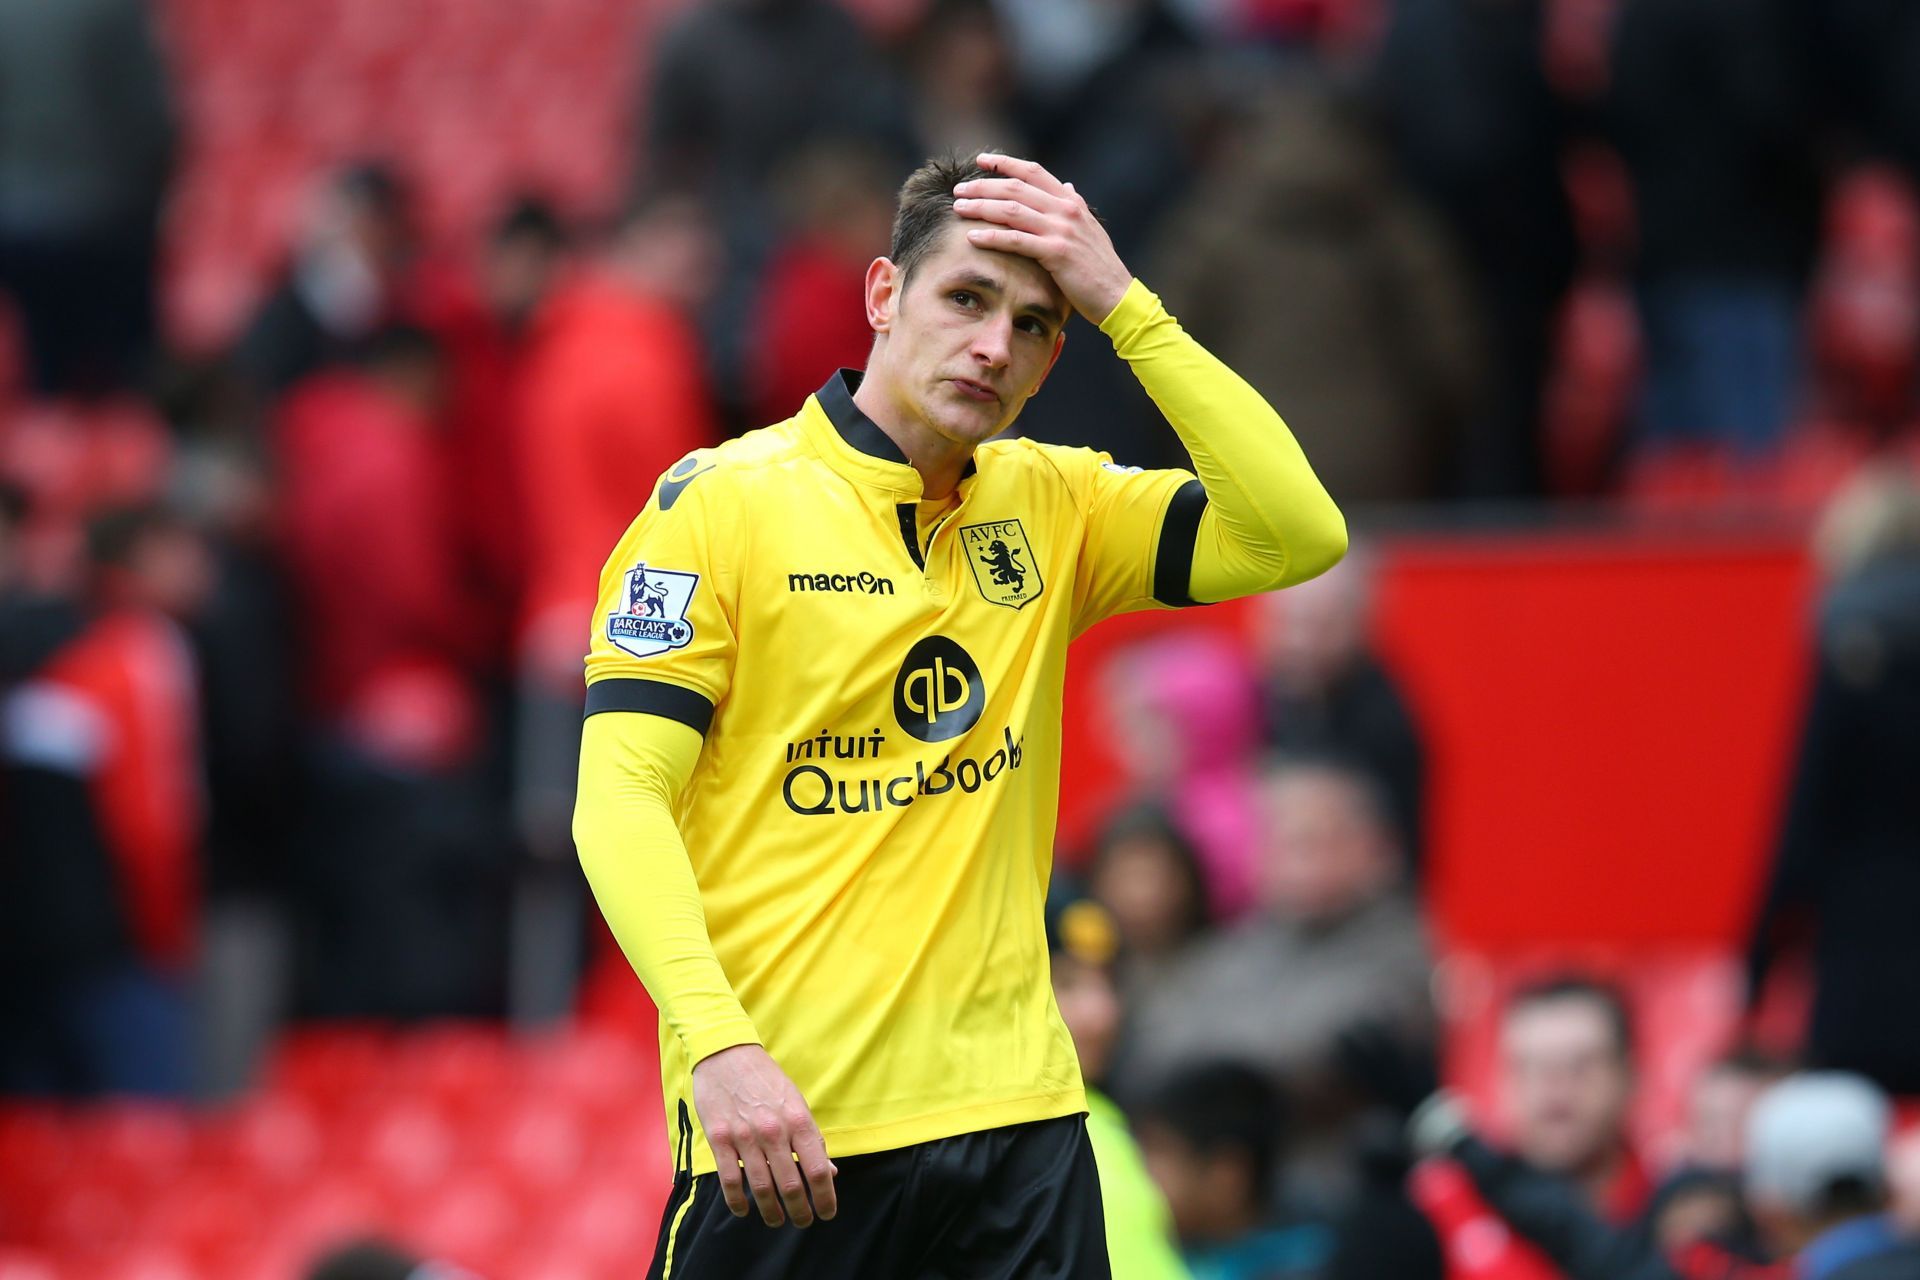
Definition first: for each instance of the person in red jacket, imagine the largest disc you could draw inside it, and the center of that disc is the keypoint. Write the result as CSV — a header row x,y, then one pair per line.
x,y
398,878
483,319
613,393
101,815
1567,1083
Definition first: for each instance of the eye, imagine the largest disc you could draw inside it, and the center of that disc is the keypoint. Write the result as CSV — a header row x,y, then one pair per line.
x,y
964,298
1034,325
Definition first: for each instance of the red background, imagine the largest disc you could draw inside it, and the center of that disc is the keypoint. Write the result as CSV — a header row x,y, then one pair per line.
x,y
1609,717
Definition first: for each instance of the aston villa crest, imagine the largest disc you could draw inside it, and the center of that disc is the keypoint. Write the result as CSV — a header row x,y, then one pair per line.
x,y
1003,562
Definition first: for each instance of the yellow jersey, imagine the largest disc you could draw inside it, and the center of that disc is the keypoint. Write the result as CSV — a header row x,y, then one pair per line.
x,y
869,818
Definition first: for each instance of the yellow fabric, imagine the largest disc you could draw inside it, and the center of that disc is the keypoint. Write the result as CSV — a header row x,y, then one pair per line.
x,y
1268,522
866,833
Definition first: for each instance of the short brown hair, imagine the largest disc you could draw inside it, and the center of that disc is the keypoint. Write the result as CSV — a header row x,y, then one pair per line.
x,y
1603,996
926,204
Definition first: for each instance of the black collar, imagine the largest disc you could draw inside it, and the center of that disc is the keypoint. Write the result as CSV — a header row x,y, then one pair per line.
x,y
855,427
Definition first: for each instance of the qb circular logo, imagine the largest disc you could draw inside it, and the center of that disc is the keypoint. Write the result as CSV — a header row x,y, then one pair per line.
x,y
939,693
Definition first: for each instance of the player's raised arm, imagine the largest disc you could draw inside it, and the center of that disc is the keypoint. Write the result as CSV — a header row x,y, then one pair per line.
x,y
1268,522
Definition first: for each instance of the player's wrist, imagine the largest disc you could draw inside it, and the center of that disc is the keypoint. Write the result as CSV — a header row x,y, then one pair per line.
x,y
1107,296
708,1048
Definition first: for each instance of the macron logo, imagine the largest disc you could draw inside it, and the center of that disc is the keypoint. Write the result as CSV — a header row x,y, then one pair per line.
x,y
861,583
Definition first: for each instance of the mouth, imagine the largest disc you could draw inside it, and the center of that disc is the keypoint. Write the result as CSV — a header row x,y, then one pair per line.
x,y
978,392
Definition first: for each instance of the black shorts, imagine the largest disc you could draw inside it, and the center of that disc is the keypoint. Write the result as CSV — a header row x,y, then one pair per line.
x,y
1017,1203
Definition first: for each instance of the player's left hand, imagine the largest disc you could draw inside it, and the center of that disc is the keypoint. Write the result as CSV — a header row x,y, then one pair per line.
x,y
1028,211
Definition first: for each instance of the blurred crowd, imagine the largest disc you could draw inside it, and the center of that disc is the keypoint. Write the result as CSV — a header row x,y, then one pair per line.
x,y
290,626
1264,998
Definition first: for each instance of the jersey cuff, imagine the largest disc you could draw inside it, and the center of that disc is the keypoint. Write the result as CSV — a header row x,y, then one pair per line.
x,y
653,697
1173,559
726,1035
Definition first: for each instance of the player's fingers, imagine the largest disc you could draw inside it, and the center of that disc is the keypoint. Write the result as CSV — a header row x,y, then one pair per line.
x,y
1012,189
1008,213
816,1169
1007,240
733,1184
793,1189
1026,170
760,1182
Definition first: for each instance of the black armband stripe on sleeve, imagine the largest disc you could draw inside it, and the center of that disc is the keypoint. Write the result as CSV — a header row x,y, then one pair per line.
x,y
654,697
1173,559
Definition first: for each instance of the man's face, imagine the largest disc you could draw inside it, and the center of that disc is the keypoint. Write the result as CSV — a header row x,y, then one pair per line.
x,y
1566,1085
1323,854
970,335
1310,634
1717,1116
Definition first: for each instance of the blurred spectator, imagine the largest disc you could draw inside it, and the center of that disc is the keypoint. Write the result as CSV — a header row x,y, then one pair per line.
x,y
1865,314
1336,934
613,395
1185,723
1709,107
345,278
1298,259
1700,1198
101,802
375,1260
960,72
1082,944
1110,93
737,88
1108,115
1147,875
396,892
1848,862
382,598
484,322
1718,1106
1567,1082
1212,1137
1814,1177
811,317
86,148
1468,107
1325,690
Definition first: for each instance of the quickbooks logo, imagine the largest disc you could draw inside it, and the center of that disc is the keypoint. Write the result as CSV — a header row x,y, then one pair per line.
x,y
939,693
866,582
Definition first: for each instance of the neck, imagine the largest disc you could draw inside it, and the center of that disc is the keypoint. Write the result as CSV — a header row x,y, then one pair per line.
x,y
938,459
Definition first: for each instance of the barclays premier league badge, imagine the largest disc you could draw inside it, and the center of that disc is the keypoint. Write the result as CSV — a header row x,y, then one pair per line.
x,y
653,618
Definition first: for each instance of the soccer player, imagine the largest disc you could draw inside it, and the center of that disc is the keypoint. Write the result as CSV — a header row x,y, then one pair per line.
x,y
818,782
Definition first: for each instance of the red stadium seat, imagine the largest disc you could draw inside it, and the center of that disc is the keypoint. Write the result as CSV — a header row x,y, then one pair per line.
x,y
329,1063
138,1145
271,1139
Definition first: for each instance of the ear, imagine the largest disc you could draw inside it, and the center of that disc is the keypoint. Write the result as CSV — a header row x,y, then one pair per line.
x,y
1059,343
883,282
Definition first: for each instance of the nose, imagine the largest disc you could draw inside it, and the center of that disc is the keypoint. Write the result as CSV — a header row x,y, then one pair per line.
x,y
993,343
